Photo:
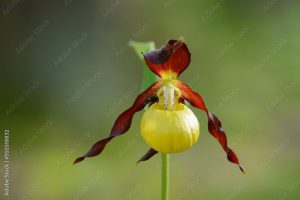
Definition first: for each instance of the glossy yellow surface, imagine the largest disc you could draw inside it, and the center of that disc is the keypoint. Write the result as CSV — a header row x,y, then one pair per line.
x,y
169,131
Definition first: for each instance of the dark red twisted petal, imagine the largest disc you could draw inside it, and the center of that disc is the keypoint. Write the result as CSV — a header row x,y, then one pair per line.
x,y
174,57
215,128
188,94
123,122
151,152
214,124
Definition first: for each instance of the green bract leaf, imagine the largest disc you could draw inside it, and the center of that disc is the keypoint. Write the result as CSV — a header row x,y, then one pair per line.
x,y
144,47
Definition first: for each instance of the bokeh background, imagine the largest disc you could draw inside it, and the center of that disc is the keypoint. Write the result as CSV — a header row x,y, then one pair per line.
x,y
67,73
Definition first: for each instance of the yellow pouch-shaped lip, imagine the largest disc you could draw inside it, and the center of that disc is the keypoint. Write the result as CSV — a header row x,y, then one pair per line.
x,y
169,131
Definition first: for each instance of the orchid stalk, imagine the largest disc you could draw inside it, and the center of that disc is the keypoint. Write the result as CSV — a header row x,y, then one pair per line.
x,y
148,78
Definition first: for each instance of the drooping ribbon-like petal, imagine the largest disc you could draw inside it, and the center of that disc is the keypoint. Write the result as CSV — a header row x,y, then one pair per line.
x,y
214,124
173,58
123,122
151,152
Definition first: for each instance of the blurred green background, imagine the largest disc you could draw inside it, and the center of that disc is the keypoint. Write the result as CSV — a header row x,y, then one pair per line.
x,y
67,73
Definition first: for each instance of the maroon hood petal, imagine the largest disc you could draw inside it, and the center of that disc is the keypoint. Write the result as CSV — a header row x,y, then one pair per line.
x,y
174,57
214,124
123,122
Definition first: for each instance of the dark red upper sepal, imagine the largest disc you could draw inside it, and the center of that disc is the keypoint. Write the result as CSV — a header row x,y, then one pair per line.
x,y
174,58
214,124
123,122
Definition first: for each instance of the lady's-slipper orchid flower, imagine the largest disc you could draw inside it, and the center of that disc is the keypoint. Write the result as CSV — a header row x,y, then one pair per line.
x,y
167,126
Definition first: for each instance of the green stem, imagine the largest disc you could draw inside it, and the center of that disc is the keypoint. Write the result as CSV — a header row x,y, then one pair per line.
x,y
165,177
148,79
